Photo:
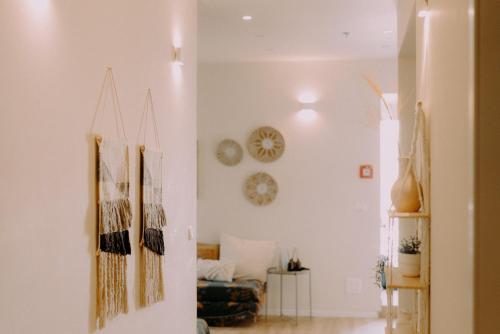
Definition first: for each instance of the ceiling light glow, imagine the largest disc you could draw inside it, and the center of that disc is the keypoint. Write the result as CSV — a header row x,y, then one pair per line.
x,y
247,18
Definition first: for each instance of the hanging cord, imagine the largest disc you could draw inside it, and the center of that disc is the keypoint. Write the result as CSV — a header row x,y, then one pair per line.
x,y
412,155
148,109
101,104
118,118
419,123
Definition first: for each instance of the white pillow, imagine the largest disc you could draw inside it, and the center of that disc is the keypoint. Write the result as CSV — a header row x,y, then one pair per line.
x,y
213,270
252,257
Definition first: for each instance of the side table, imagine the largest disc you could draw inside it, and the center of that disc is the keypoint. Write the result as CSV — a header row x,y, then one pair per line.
x,y
296,274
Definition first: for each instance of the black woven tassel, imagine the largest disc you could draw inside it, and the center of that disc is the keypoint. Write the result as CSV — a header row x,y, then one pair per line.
x,y
153,239
116,242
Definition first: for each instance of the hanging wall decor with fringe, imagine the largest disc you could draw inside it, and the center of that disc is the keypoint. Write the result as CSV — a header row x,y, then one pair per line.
x,y
152,214
153,221
114,214
114,220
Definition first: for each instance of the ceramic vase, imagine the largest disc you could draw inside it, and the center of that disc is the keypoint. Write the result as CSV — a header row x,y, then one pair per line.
x,y
409,265
404,192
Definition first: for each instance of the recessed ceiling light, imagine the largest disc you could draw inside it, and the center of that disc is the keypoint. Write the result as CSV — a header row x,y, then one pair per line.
x,y
247,18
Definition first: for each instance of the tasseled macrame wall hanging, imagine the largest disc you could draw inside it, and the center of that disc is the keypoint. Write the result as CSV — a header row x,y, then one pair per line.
x,y
152,214
114,214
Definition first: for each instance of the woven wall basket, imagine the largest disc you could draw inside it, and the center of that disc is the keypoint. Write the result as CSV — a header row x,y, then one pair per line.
x,y
261,189
229,152
266,144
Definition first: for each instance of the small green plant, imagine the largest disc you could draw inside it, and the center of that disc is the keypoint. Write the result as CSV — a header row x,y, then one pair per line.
x,y
379,271
410,246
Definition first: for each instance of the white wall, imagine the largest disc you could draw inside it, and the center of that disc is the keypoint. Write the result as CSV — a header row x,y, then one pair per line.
x,y
447,91
53,59
322,208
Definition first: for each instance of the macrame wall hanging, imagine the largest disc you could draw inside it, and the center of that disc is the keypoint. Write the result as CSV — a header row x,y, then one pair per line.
x,y
114,213
152,214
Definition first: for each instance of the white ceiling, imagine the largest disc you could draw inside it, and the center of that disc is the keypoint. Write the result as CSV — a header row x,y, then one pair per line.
x,y
296,30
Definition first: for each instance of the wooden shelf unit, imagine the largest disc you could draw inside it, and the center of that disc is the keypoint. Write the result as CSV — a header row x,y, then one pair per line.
x,y
420,285
394,214
397,281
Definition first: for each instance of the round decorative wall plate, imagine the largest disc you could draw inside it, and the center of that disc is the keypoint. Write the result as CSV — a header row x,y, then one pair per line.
x,y
266,144
261,189
229,152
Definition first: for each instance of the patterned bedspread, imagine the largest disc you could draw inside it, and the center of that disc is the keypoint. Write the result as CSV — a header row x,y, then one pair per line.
x,y
229,303
237,291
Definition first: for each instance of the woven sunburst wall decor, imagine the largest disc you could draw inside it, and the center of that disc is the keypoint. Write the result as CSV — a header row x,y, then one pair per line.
x,y
266,144
229,152
261,189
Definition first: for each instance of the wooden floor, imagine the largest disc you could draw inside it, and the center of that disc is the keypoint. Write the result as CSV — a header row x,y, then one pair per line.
x,y
276,325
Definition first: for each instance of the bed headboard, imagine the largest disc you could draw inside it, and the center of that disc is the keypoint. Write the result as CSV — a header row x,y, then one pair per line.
x,y
208,251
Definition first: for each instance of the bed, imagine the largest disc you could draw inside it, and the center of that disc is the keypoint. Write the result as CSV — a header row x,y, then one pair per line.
x,y
227,303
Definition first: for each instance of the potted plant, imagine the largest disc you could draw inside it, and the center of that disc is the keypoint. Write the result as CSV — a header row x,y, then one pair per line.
x,y
409,257
380,272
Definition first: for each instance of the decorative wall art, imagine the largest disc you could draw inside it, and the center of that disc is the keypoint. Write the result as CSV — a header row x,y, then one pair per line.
x,y
229,152
153,221
261,189
114,218
266,144
114,214
153,218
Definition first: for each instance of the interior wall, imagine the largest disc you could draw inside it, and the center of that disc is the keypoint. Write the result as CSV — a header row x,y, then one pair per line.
x,y
407,72
446,88
323,208
407,98
487,288
54,56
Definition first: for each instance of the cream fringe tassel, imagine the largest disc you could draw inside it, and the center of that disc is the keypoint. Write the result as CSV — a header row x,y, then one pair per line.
x,y
154,216
115,216
151,277
112,287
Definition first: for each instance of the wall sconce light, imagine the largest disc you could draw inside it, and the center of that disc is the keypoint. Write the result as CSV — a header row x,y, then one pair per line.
x,y
306,112
425,10
177,56
422,13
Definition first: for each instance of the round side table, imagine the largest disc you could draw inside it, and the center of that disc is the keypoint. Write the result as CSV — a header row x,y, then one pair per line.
x,y
296,274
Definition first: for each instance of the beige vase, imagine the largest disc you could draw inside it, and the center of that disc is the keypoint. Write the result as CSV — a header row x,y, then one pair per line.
x,y
404,193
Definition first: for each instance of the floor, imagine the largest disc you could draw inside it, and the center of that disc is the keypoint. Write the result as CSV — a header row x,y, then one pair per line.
x,y
276,325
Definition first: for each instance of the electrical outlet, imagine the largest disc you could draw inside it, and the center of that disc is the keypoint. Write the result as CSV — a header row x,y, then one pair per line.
x,y
353,286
